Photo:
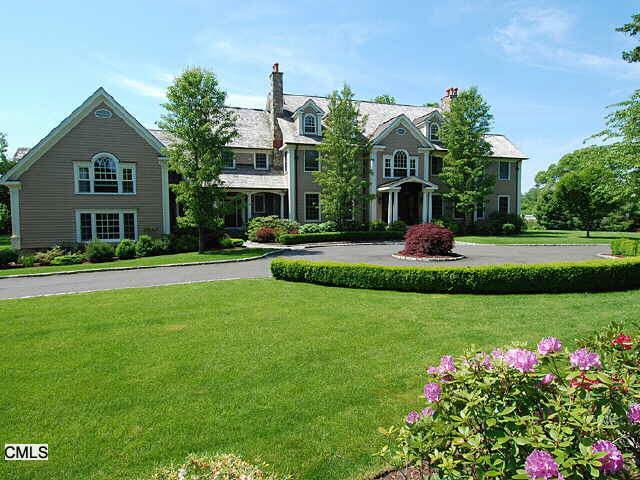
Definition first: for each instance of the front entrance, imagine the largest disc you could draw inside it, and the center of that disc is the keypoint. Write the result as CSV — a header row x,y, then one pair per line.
x,y
409,203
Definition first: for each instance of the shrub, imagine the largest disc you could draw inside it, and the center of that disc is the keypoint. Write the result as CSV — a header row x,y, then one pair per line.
x,y
27,260
45,258
377,226
161,246
228,242
7,256
397,226
280,225
427,239
508,229
183,242
98,252
293,239
318,227
145,246
266,235
494,223
126,249
597,275
628,247
71,259
223,467
511,413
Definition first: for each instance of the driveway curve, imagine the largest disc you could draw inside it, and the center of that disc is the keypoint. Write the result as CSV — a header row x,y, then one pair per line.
x,y
376,254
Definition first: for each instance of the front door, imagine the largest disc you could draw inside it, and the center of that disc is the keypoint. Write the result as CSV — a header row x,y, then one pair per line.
x,y
409,203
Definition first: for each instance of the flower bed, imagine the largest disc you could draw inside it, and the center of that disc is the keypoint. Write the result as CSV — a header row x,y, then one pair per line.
x,y
592,276
519,413
293,239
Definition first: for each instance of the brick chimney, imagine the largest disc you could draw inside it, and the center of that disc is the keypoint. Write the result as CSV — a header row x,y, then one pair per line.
x,y
449,95
276,103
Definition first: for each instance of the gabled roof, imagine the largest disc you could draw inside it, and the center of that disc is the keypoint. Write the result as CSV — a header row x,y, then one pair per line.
x,y
397,183
309,103
502,147
98,97
387,127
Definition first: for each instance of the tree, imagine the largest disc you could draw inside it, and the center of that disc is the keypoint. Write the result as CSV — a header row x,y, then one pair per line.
x,y
431,104
5,165
588,194
529,200
343,175
202,128
632,29
388,99
468,153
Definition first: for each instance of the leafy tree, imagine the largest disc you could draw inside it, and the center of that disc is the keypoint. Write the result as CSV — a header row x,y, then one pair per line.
x,y
431,104
388,99
202,128
343,175
6,164
468,157
4,159
632,29
529,200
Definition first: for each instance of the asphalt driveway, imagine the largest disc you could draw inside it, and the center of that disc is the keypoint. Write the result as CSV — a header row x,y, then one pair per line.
x,y
376,254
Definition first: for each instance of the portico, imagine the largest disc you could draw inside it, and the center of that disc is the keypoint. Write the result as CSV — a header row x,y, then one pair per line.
x,y
406,199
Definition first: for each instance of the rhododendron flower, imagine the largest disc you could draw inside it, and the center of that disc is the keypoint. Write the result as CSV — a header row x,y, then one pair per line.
x,y
612,462
412,417
446,366
522,360
548,378
634,413
583,359
432,392
549,345
497,354
541,465
427,412
622,342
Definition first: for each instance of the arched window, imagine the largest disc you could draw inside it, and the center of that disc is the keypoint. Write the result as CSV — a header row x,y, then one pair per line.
x,y
310,124
400,164
106,174
434,132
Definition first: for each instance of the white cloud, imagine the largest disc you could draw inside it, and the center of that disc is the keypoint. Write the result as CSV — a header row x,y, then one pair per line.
x,y
139,87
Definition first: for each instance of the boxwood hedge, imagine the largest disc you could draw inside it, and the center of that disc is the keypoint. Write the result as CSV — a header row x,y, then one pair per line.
x,y
591,276
292,239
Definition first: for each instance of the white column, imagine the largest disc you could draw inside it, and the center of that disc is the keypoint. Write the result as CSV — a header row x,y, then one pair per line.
x,y
519,191
430,206
14,197
425,206
390,208
427,165
249,213
292,175
395,206
373,203
166,211
281,204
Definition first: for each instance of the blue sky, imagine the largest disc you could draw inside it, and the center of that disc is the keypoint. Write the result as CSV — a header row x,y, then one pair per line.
x,y
548,69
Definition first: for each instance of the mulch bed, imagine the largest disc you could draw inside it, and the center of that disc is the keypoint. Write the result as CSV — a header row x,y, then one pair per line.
x,y
409,473
430,258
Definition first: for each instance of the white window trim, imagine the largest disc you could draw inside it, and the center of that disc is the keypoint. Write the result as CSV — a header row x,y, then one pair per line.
x,y
233,159
304,161
484,212
509,171
93,224
392,158
255,154
319,219
90,165
508,197
315,121
431,137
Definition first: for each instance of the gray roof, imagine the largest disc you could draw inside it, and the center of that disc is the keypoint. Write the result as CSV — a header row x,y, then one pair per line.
x,y
503,147
20,152
253,125
249,181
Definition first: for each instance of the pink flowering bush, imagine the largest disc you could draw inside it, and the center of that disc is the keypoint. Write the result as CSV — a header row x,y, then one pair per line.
x,y
548,413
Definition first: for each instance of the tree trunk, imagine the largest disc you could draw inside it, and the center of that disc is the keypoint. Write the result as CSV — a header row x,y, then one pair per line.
x,y
202,240
588,234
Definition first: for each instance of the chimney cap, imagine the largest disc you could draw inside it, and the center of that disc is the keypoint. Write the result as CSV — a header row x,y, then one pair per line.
x,y
276,67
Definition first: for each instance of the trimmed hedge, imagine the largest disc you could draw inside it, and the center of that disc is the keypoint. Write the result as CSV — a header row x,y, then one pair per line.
x,y
604,275
292,239
629,247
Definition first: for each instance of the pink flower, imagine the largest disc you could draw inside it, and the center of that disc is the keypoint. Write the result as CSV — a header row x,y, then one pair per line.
x,y
433,370
432,392
541,465
583,359
497,354
548,378
427,412
612,461
549,345
412,417
446,366
634,413
522,360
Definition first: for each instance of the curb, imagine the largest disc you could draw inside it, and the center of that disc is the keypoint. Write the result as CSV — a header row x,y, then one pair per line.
x,y
303,246
139,267
428,259
532,244
608,256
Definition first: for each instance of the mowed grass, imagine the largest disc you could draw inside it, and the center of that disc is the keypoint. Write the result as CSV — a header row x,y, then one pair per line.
x,y
190,257
5,241
296,375
550,236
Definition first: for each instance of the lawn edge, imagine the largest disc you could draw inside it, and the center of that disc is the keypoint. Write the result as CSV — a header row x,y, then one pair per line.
x,y
531,244
138,267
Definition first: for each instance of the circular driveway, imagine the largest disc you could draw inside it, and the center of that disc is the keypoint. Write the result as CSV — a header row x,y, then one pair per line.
x,y
375,254
476,254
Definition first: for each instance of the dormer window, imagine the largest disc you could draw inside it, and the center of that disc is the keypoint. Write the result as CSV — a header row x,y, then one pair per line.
x,y
310,124
434,132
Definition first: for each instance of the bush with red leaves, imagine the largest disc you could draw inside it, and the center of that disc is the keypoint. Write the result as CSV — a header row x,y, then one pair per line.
x,y
266,235
426,240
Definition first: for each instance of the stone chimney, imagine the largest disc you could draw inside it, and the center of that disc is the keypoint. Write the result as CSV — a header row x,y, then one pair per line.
x,y
276,104
449,95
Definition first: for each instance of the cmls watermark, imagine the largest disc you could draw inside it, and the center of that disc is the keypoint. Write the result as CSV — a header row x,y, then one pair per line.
x,y
26,451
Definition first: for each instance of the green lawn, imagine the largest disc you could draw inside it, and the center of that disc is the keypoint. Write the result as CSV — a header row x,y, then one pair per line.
x,y
297,375
190,257
550,236
5,241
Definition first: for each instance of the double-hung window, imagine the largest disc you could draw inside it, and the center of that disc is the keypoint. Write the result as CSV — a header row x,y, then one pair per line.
x,y
480,211
504,203
311,161
311,207
104,174
504,170
310,124
434,132
260,161
228,160
106,226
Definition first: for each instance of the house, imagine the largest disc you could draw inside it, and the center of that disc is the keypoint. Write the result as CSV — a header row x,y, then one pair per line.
x,y
100,174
